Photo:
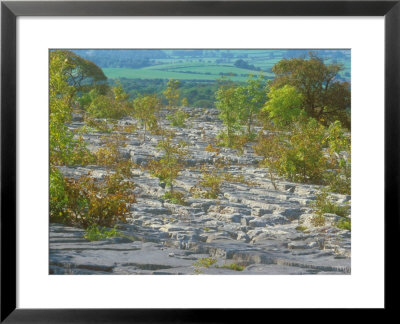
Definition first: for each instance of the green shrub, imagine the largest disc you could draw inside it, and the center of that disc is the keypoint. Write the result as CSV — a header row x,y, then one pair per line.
x,y
283,106
344,223
308,153
339,161
318,220
229,105
232,266
205,262
109,154
98,124
174,197
211,148
147,110
235,141
324,204
178,118
96,233
229,177
209,185
86,201
114,105
297,155
58,196
171,163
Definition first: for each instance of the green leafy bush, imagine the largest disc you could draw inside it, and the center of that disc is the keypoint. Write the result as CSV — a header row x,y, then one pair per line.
x,y
113,105
284,105
171,163
232,266
297,155
172,93
174,197
86,201
324,204
146,110
339,161
344,223
178,118
205,262
58,196
96,233
228,105
308,153
209,184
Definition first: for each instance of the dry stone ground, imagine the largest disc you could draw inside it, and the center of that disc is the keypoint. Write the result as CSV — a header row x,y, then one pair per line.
x,y
250,223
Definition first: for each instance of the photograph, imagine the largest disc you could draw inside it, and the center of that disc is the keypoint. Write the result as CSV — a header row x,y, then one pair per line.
x,y
199,161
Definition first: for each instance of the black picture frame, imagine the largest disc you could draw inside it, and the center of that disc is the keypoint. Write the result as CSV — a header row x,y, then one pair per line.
x,y
9,13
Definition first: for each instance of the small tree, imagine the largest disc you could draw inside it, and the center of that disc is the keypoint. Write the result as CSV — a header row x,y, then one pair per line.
x,y
184,102
323,96
339,160
113,105
172,93
304,159
253,97
64,149
283,106
269,147
298,155
171,163
229,99
146,109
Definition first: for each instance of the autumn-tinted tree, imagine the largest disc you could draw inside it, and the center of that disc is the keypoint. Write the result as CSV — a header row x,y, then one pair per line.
x,y
324,97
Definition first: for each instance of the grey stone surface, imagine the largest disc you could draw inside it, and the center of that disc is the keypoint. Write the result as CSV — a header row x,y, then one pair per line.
x,y
252,224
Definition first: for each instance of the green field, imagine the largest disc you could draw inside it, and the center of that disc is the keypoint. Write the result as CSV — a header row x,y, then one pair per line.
x,y
214,64
116,73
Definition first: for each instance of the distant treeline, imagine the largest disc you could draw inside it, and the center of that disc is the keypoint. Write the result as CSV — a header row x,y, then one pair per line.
x,y
198,93
244,65
122,58
137,58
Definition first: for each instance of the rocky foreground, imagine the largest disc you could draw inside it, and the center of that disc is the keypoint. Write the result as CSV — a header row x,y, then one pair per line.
x,y
251,224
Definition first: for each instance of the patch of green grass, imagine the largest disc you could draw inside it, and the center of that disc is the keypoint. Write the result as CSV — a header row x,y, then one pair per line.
x,y
232,266
174,197
178,118
116,73
96,233
301,228
323,204
344,223
229,177
318,220
203,263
